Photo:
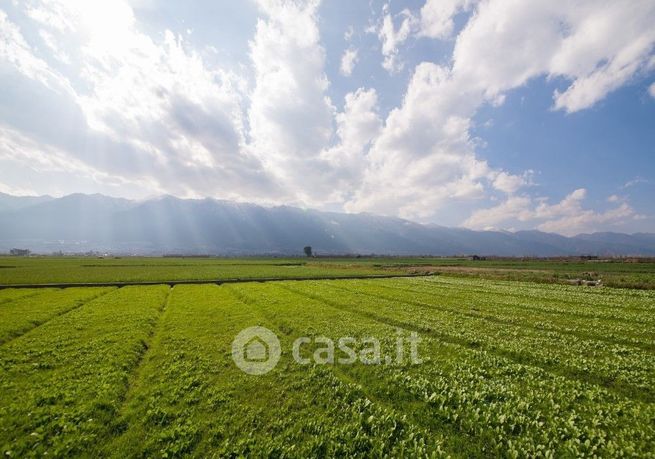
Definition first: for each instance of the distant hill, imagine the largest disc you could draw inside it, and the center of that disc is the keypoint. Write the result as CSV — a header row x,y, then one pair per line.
x,y
9,202
167,224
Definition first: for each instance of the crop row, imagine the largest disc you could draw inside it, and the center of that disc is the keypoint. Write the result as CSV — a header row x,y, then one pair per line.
x,y
44,271
512,309
474,400
24,313
64,381
628,370
116,377
190,398
601,300
11,294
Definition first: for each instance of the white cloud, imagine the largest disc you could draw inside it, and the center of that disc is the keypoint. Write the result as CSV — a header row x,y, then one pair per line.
x,y
651,90
360,122
634,182
509,183
268,131
158,94
588,220
566,207
567,217
513,208
183,119
52,44
392,38
16,191
348,34
597,46
16,52
21,151
357,126
348,61
291,117
423,157
503,45
437,17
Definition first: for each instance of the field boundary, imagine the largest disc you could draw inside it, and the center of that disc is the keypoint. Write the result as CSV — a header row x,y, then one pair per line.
x,y
35,325
172,283
148,345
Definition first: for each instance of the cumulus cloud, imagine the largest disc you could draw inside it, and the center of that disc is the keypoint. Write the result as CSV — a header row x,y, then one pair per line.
x,y
182,118
509,183
596,46
392,37
348,61
589,220
567,217
152,115
502,46
357,125
651,90
291,117
512,209
427,138
437,17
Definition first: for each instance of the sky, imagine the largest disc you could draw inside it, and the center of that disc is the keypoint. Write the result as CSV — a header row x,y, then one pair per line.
x,y
484,114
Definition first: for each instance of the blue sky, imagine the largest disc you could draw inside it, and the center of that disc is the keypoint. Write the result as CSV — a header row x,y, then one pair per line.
x,y
485,114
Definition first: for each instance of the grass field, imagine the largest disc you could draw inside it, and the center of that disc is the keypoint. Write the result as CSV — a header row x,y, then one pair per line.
x,y
613,273
44,270
41,270
514,369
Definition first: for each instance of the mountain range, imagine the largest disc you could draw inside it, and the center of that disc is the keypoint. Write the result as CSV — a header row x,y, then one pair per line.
x,y
80,222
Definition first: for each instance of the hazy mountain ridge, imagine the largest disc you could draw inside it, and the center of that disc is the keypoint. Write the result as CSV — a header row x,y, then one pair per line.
x,y
167,224
9,202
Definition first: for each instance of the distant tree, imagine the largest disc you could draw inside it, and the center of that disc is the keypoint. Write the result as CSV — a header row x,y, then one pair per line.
x,y
308,250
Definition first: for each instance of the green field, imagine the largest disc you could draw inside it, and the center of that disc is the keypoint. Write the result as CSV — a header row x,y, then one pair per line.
x,y
613,272
513,369
42,270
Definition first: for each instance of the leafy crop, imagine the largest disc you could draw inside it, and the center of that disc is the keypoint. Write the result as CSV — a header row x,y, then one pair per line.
x,y
88,270
190,398
509,370
43,270
29,311
63,382
11,294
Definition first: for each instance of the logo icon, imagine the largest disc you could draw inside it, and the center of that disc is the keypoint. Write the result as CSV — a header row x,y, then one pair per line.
x,y
256,350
